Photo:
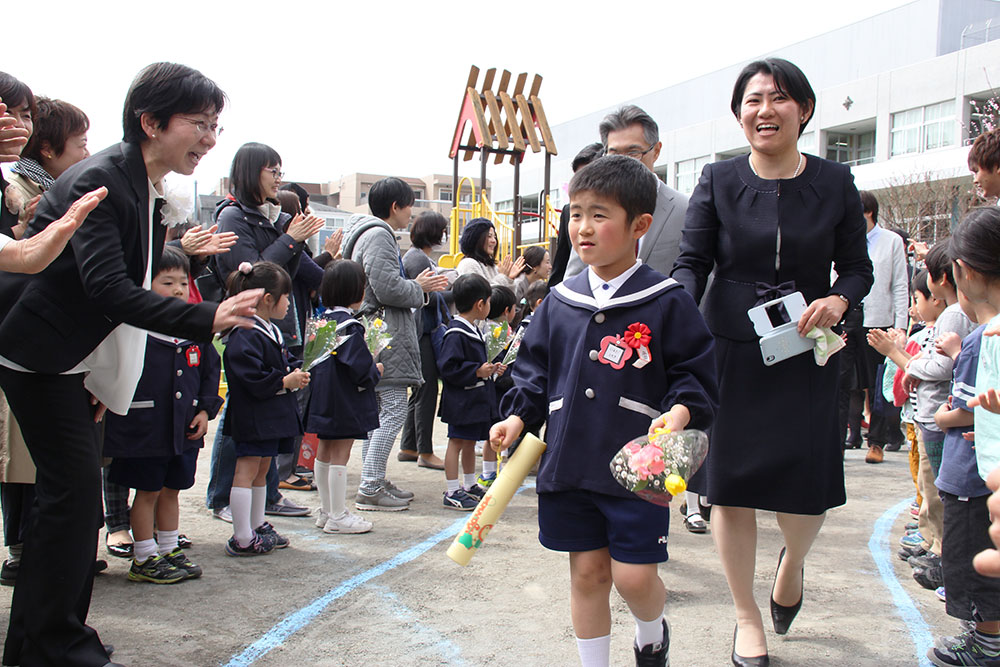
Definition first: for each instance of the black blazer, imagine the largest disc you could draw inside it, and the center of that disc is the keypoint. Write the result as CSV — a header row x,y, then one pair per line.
x,y
53,320
732,224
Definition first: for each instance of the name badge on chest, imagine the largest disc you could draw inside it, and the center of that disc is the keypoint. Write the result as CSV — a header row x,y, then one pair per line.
x,y
193,355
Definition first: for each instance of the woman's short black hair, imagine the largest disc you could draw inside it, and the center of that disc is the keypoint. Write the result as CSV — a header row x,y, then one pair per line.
x,y
938,261
919,284
343,283
386,192
428,229
533,258
788,79
501,298
244,175
869,204
173,258
14,93
166,89
976,241
270,277
54,123
473,240
468,290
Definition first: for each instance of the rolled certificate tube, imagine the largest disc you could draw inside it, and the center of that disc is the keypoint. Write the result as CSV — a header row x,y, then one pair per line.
x,y
489,509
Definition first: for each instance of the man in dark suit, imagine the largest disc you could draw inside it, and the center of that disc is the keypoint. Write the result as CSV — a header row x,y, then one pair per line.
x,y
630,131
71,324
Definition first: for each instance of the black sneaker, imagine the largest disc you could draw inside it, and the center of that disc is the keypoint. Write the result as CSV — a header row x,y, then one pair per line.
x,y
967,651
8,574
930,578
258,546
155,570
267,532
906,553
460,500
181,562
476,491
924,562
656,654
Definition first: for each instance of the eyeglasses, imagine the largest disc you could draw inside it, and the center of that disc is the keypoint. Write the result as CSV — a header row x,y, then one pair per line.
x,y
204,128
275,171
633,153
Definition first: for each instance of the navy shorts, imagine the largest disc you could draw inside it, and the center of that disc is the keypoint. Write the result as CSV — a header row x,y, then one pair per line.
x,y
356,436
152,473
633,530
469,431
271,447
971,596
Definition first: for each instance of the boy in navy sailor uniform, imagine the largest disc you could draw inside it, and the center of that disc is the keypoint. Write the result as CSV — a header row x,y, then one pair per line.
x,y
155,446
468,398
611,354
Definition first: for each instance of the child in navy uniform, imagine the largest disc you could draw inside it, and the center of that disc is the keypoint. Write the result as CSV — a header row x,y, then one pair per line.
x,y
155,446
577,365
263,413
468,400
343,406
502,312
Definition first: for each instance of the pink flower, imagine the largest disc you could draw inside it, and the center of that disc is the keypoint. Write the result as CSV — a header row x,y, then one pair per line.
x,y
647,462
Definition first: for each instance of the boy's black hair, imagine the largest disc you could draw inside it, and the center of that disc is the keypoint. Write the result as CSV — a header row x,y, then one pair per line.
x,y
299,192
244,175
587,154
938,262
623,179
173,258
468,290
427,229
869,204
788,79
15,92
343,283
501,298
976,241
919,284
536,290
272,278
386,192
166,89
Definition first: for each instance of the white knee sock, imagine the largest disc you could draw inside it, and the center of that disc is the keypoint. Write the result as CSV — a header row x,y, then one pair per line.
x,y
166,541
338,489
453,485
489,467
469,479
258,500
648,632
692,503
143,549
240,499
594,652
321,475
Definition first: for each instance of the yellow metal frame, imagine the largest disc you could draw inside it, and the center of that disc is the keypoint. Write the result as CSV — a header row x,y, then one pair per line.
x,y
503,222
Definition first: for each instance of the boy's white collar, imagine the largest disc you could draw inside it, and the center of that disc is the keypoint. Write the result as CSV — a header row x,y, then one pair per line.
x,y
598,283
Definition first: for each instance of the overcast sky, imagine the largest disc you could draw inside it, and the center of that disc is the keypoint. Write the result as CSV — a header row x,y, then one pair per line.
x,y
375,86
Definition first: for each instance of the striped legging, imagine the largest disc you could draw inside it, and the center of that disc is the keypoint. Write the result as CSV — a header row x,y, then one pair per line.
x,y
375,451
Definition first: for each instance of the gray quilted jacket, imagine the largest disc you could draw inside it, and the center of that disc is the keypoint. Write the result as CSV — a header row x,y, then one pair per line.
x,y
372,243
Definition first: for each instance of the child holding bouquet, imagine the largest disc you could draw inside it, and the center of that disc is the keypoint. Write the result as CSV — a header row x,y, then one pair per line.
x,y
468,398
263,414
343,407
612,353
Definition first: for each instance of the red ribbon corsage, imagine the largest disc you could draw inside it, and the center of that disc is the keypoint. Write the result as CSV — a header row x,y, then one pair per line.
x,y
637,335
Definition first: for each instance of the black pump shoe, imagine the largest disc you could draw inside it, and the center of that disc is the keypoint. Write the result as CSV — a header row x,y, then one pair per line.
x,y
740,661
782,616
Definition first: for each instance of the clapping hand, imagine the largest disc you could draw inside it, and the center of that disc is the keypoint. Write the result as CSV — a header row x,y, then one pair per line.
x,y
430,281
332,243
949,344
198,241
302,227
12,138
988,400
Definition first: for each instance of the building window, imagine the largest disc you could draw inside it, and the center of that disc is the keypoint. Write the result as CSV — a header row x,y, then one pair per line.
x,y
418,193
445,194
364,197
984,115
924,128
807,142
687,173
851,149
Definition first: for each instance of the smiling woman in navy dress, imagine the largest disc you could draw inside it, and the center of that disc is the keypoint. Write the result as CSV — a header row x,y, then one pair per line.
x,y
772,223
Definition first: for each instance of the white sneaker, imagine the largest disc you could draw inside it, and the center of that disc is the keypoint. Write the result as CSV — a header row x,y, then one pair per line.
x,y
347,523
321,517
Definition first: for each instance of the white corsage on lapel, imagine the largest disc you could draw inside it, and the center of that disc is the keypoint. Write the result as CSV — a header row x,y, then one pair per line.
x,y
178,203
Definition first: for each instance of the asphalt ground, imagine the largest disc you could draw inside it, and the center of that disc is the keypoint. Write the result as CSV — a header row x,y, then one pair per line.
x,y
392,597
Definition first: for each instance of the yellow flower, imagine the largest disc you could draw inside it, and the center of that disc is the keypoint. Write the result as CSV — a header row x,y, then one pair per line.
x,y
377,323
675,484
496,332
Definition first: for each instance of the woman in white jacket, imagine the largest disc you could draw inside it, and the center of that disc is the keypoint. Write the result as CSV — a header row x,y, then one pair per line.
x,y
479,245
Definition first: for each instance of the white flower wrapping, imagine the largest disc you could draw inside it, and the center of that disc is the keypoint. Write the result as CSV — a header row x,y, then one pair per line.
x,y
178,203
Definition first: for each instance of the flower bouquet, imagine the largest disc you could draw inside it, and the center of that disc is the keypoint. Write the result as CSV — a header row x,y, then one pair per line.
x,y
497,334
658,468
321,341
377,336
513,347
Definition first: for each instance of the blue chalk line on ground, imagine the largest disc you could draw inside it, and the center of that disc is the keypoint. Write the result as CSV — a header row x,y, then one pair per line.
x,y
920,632
443,646
300,618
